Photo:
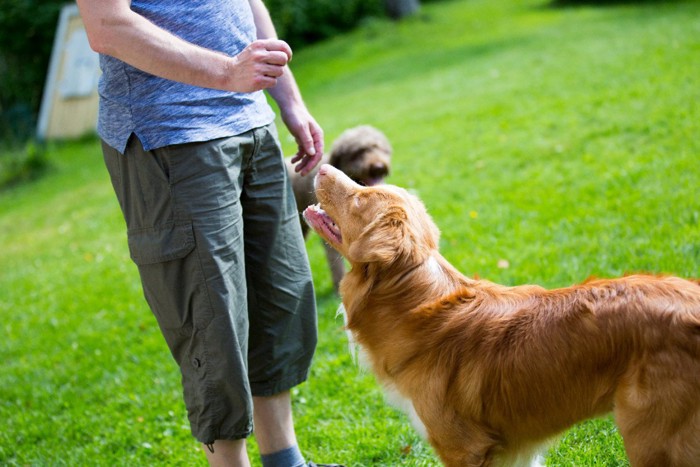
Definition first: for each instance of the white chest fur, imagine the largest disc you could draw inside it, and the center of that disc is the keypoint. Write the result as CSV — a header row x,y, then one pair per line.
x,y
392,395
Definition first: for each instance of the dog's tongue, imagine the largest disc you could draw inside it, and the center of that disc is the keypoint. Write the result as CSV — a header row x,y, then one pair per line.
x,y
372,181
319,221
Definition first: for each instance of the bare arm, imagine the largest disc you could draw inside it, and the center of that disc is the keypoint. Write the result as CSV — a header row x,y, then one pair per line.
x,y
306,131
114,29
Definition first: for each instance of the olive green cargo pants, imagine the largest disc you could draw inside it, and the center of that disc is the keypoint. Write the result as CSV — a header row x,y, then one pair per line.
x,y
214,230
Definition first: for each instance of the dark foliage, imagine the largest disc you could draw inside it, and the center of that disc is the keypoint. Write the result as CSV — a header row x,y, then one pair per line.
x,y
22,164
27,29
302,22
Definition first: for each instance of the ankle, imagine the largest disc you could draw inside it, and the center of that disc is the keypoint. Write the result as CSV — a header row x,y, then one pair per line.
x,y
290,457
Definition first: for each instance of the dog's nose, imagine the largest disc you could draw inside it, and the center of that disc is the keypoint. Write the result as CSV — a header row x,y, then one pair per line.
x,y
325,168
378,170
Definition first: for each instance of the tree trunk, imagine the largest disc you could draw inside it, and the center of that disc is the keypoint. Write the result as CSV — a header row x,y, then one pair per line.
x,y
397,9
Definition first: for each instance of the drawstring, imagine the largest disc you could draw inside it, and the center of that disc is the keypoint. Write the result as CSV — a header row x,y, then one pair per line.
x,y
210,446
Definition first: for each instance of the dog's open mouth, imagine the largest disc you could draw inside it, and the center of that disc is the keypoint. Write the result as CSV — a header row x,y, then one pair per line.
x,y
371,181
322,223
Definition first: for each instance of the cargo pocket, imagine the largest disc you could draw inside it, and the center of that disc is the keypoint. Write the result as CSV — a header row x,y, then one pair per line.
x,y
160,244
171,276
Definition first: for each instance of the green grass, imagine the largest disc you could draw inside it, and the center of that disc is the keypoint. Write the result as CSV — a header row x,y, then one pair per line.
x,y
563,140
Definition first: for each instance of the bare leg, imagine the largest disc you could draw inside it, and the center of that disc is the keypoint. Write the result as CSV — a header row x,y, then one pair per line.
x,y
274,431
335,262
274,427
228,453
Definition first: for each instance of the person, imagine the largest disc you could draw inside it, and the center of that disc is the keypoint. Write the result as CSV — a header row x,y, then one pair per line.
x,y
191,148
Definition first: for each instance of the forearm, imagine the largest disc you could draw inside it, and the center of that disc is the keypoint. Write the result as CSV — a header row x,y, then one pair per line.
x,y
117,31
264,26
286,92
306,131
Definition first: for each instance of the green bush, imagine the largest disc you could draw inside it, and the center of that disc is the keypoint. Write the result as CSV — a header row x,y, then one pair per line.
x,y
27,29
22,163
302,22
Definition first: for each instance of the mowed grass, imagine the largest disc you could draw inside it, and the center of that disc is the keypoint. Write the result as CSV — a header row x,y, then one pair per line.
x,y
549,144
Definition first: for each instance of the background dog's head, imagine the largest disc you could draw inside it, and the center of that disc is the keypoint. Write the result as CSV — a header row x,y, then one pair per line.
x,y
363,153
380,224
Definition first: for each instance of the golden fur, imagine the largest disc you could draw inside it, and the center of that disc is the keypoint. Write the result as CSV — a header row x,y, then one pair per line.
x,y
493,371
364,154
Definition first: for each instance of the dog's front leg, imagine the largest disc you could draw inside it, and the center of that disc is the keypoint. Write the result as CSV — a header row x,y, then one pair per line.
x,y
336,264
462,444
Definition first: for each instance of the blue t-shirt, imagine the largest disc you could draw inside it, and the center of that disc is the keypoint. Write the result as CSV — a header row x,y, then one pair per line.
x,y
161,112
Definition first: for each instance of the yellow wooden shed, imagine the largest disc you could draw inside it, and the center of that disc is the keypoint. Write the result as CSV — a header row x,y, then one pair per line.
x,y
70,100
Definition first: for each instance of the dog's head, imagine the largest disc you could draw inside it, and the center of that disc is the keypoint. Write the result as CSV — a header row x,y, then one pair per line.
x,y
363,153
379,224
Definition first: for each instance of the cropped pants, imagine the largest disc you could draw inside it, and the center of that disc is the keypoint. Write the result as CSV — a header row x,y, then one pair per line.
x,y
214,230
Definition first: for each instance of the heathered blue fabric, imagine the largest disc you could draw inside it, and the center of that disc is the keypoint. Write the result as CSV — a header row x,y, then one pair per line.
x,y
162,112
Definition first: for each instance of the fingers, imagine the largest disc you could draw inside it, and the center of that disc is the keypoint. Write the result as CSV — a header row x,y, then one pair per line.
x,y
308,164
271,55
317,135
260,65
310,143
275,46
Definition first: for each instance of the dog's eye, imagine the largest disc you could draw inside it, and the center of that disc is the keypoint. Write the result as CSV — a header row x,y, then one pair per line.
x,y
356,201
357,155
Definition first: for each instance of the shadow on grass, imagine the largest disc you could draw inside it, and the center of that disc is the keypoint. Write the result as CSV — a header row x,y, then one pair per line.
x,y
434,61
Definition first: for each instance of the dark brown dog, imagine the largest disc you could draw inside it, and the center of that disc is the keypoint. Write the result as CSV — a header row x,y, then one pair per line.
x,y
364,154
492,372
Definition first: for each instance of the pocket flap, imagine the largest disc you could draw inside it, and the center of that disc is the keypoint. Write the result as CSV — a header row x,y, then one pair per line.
x,y
161,243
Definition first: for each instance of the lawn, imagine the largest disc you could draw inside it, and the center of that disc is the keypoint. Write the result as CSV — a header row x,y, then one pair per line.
x,y
550,143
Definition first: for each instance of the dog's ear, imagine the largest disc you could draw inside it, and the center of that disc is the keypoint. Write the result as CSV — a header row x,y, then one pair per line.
x,y
385,239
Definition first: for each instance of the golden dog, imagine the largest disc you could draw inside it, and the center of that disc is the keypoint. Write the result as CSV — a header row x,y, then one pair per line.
x,y
493,372
363,153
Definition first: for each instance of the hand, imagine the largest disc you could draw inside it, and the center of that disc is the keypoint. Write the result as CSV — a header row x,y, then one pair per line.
x,y
259,65
309,137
